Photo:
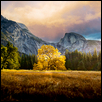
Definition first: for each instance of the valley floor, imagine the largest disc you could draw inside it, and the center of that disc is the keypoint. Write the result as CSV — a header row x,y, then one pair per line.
x,y
29,85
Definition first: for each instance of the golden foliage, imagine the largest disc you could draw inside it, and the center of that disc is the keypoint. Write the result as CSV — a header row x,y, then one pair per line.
x,y
49,59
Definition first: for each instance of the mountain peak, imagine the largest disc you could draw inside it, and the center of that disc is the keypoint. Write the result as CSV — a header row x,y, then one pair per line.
x,y
71,33
75,35
72,41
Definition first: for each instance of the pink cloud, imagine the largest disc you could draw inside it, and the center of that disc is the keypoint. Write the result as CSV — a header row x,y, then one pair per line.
x,y
52,19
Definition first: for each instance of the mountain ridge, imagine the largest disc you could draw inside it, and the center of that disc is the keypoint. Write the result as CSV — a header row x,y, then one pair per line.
x,y
20,36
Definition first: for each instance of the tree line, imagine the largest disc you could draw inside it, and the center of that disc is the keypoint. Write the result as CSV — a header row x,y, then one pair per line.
x,y
27,61
76,60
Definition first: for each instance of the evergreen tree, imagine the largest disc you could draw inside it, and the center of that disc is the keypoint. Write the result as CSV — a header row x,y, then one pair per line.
x,y
99,66
70,55
90,57
76,53
75,63
84,56
10,57
80,55
99,56
94,57
66,54
68,64
3,57
27,61
81,65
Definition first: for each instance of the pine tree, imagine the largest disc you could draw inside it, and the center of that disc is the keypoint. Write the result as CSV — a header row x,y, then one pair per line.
x,y
84,58
27,61
99,66
66,54
89,57
75,63
99,56
81,65
80,55
68,64
94,57
76,53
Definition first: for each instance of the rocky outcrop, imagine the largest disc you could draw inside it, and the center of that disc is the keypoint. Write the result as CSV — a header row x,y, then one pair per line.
x,y
72,41
27,43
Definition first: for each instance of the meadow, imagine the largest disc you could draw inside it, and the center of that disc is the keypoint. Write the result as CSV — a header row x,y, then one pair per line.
x,y
30,85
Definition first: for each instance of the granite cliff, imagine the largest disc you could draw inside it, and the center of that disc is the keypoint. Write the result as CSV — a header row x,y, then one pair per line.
x,y
27,43
19,35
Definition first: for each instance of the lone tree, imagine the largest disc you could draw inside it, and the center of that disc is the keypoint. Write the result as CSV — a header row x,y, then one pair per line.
x,y
49,59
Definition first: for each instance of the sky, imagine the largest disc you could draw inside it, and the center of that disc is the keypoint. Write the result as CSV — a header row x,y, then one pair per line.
x,y
50,20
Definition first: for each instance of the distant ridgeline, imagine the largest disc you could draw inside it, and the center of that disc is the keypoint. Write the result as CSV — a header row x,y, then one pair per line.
x,y
27,43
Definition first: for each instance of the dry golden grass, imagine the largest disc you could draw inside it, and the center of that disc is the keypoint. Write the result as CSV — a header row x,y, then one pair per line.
x,y
22,85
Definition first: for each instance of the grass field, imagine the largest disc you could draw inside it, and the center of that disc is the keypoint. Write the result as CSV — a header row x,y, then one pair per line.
x,y
29,85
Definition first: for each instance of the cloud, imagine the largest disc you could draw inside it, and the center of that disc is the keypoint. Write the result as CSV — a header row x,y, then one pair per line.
x,y
47,33
50,20
92,26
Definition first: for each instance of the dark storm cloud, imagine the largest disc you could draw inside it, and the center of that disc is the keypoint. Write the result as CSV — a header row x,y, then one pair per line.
x,y
88,27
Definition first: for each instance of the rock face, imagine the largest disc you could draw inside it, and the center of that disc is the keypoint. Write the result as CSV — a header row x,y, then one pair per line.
x,y
90,45
19,35
72,41
27,43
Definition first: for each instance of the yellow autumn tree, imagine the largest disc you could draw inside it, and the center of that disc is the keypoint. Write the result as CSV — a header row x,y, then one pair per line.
x,y
49,59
